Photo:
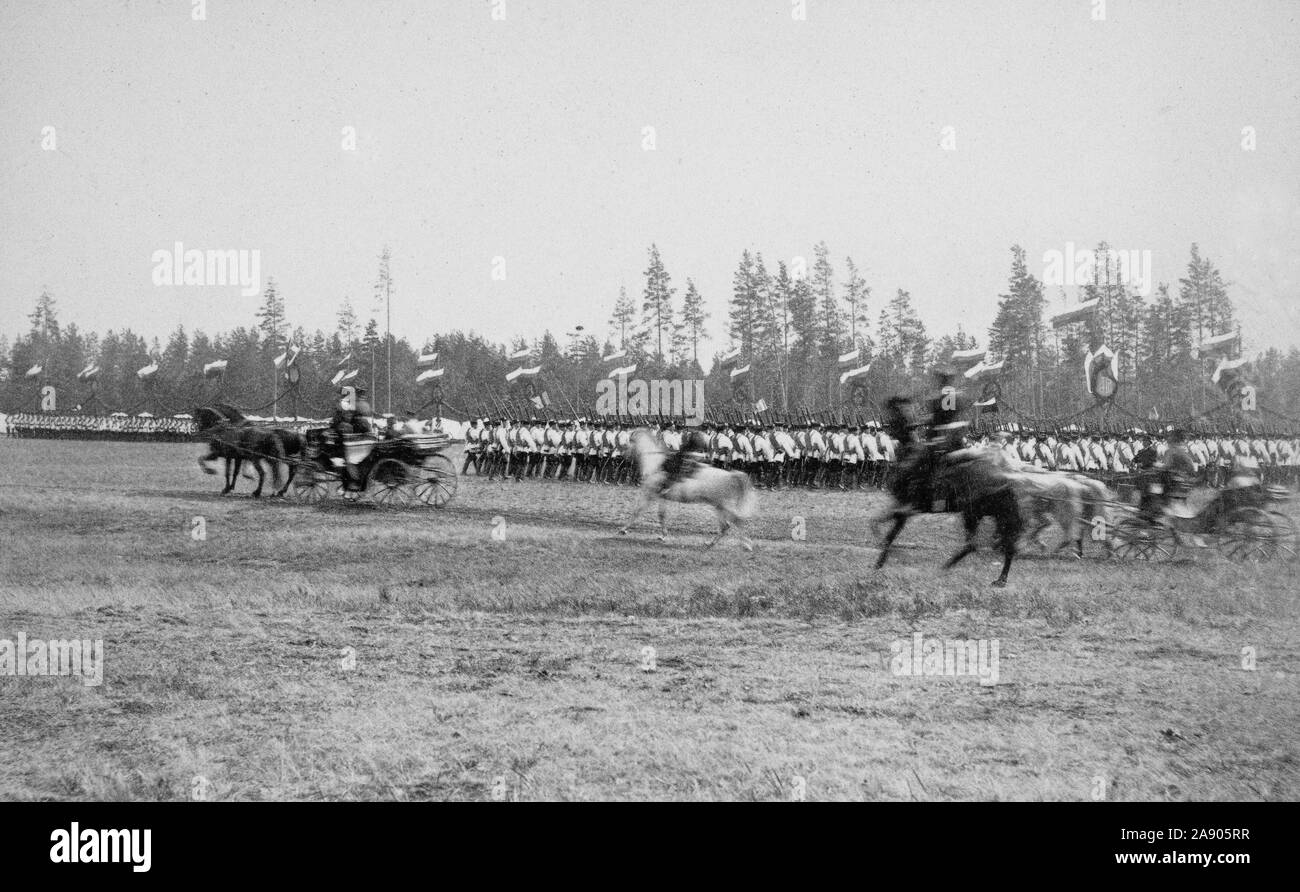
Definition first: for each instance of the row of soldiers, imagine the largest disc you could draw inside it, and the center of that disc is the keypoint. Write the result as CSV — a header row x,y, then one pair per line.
x,y
842,455
1114,455
814,454
77,426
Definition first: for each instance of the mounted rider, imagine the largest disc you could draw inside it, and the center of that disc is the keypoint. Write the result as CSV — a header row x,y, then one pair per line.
x,y
682,462
947,406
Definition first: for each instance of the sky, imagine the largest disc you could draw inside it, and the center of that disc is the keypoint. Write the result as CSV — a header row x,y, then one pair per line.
x,y
510,136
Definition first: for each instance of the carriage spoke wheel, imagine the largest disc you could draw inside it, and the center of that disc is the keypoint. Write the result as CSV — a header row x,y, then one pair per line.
x,y
437,483
1144,540
1253,534
389,484
311,485
1288,536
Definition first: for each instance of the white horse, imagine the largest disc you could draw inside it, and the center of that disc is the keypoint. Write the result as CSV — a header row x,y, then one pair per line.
x,y
729,492
1072,500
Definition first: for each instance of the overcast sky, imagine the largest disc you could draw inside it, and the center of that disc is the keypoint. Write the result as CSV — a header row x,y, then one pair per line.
x,y
524,139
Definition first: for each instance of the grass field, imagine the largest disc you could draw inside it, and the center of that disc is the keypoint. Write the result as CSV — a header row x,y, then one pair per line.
x,y
345,652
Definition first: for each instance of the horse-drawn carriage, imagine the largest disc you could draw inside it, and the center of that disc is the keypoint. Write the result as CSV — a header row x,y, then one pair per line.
x,y
392,472
1243,521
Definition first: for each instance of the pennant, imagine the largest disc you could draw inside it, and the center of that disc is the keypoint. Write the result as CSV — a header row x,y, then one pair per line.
x,y
740,372
1076,314
850,357
1220,345
616,355
213,369
89,373
968,358
523,372
345,360
761,405
34,371
147,372
429,375
854,373
426,360
1225,365
622,371
522,354
731,357
983,371
536,401
341,376
1101,369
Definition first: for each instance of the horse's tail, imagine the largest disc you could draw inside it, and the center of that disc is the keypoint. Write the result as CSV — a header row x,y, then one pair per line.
x,y
745,498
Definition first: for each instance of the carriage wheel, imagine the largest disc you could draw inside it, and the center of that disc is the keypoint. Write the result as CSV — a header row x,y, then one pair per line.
x,y
1287,536
311,485
1252,534
437,483
388,484
1144,539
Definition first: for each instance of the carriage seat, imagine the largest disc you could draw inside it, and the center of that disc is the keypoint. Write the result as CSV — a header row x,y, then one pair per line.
x,y
356,447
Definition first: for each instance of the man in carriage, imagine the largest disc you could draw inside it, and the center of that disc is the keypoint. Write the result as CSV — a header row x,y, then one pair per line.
x,y
351,420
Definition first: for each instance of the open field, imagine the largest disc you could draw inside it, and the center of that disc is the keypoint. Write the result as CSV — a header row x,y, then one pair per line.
x,y
344,652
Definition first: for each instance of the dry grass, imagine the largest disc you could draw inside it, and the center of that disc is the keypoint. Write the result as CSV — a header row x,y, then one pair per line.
x,y
516,664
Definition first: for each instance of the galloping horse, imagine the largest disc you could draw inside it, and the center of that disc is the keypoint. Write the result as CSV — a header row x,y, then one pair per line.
x,y
1072,500
971,481
232,438
729,492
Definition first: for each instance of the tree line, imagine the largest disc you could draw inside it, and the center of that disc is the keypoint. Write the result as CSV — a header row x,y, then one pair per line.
x,y
791,323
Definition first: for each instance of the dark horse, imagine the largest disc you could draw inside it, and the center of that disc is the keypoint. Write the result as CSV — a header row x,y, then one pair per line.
x,y
236,440
968,481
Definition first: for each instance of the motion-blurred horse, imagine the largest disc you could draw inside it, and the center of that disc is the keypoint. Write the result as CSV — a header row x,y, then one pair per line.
x,y
1074,501
730,493
972,481
233,438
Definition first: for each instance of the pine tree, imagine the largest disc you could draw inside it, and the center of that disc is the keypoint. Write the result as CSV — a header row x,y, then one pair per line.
x,y
830,321
743,312
348,328
657,302
690,327
270,317
856,293
623,319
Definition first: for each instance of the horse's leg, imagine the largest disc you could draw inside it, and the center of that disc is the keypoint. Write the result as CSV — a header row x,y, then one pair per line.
x,y
204,459
1040,510
971,520
261,477
1006,515
740,530
723,526
641,503
900,520
279,493
663,521
232,474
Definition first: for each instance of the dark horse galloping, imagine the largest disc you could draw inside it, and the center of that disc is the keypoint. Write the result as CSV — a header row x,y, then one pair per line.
x,y
232,437
968,481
